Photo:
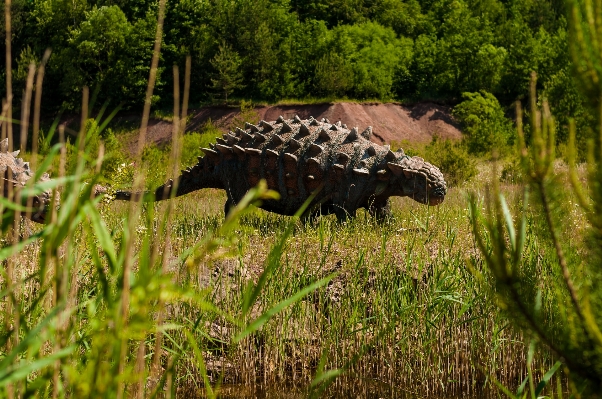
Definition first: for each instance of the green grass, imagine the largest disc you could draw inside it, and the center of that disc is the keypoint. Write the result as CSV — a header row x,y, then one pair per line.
x,y
174,300
236,102
403,307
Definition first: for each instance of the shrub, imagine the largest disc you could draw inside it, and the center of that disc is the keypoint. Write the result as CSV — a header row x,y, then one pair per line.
x,y
512,172
154,160
114,159
209,132
452,159
247,114
484,124
411,149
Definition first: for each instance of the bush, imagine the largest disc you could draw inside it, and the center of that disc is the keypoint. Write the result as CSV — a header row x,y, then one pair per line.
x,y
484,124
247,114
452,159
411,149
114,160
512,172
154,161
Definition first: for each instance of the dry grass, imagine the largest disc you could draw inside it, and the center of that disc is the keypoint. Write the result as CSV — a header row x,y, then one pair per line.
x,y
171,300
403,308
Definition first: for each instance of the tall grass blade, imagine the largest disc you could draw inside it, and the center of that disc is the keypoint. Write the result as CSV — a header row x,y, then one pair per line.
x,y
546,378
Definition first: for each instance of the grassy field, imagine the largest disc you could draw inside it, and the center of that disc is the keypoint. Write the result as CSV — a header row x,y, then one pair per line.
x,y
407,308
168,300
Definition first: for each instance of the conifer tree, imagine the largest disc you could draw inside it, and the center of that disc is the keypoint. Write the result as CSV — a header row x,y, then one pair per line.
x,y
228,75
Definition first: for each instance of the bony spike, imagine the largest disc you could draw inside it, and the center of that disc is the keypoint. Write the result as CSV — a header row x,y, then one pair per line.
x,y
361,172
294,145
209,152
315,149
367,133
286,128
304,131
266,127
277,140
224,149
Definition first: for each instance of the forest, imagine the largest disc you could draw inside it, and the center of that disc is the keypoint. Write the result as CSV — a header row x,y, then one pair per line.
x,y
272,50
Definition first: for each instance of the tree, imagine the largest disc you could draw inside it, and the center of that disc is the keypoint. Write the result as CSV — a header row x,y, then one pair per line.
x,y
374,53
545,259
483,122
334,12
333,77
404,17
228,76
108,53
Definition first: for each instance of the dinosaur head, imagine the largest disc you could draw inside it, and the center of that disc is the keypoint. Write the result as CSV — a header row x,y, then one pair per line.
x,y
419,180
14,174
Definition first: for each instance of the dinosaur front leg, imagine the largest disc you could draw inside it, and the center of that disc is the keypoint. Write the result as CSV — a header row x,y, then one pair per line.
x,y
344,214
312,215
381,210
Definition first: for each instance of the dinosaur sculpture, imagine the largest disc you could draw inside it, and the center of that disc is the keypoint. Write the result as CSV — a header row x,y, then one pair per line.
x,y
15,173
297,157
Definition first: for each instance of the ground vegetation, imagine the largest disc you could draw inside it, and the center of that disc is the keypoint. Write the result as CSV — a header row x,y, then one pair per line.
x,y
161,300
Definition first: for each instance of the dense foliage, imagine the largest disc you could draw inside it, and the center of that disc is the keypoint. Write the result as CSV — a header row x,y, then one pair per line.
x,y
483,123
274,49
561,211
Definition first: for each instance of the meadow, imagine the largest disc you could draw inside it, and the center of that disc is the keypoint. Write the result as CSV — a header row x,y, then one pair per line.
x,y
402,309
491,294
171,299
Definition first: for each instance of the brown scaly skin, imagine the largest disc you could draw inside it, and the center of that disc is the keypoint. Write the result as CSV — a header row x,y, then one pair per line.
x,y
15,173
296,157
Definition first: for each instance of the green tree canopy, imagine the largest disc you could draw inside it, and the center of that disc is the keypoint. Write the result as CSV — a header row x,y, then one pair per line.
x,y
228,76
483,122
385,49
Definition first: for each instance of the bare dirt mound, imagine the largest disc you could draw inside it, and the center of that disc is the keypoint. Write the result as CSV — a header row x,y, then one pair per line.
x,y
390,122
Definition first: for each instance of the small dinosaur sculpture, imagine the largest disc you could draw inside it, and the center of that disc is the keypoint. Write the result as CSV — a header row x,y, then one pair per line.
x,y
297,157
15,174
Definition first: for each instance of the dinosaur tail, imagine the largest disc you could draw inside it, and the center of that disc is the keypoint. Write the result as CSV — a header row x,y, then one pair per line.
x,y
190,180
161,193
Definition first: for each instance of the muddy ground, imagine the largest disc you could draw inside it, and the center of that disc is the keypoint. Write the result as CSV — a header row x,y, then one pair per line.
x,y
390,122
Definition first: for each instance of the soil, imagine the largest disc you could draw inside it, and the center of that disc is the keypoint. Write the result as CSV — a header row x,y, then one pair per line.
x,y
390,122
